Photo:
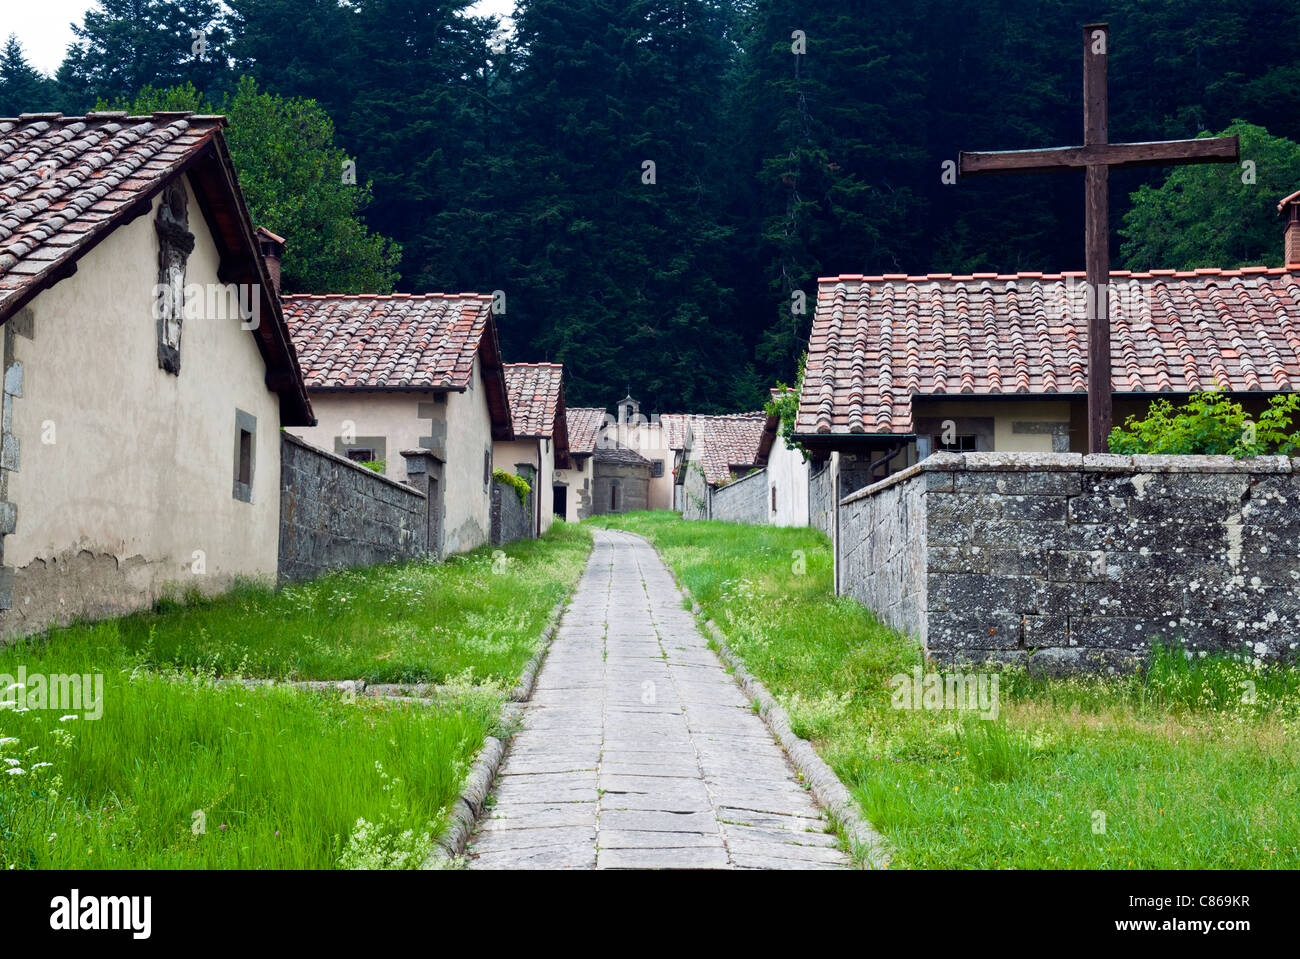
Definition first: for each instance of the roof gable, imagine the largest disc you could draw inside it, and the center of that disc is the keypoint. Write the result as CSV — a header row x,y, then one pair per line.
x,y
584,425
738,440
400,341
66,183
878,341
536,392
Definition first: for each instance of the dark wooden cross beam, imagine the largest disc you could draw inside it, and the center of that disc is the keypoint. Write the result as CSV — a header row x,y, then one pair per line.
x,y
1096,157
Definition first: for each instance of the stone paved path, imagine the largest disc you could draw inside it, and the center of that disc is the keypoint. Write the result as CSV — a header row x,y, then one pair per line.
x,y
638,750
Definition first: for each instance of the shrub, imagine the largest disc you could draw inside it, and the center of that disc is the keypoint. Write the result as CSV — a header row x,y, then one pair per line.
x,y
518,482
1210,423
377,465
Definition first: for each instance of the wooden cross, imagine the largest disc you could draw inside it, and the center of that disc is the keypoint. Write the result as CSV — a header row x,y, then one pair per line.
x,y
1096,157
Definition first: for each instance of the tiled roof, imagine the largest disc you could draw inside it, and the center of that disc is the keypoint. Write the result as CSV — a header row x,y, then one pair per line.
x,y
67,182
879,340
534,390
738,439
64,181
584,427
398,341
674,427
620,454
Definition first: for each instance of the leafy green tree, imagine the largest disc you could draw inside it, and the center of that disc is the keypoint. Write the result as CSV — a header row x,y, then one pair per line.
x,y
23,89
1210,423
1217,214
293,177
126,45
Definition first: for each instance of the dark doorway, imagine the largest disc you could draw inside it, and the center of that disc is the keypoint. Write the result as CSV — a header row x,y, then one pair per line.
x,y
560,504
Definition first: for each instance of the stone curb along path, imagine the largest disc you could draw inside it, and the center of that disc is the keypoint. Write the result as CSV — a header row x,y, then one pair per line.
x,y
478,781
868,845
637,748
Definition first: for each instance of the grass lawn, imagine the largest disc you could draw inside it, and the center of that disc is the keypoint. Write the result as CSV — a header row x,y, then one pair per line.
x,y
1164,769
180,773
411,622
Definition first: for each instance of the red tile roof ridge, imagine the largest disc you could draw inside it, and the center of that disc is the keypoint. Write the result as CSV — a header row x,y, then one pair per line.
x,y
387,296
1038,275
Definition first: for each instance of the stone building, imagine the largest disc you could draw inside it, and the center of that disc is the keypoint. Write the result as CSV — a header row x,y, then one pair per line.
x,y
541,437
620,480
148,369
402,372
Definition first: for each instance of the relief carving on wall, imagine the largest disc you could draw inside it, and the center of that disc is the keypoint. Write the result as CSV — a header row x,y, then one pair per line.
x,y
175,244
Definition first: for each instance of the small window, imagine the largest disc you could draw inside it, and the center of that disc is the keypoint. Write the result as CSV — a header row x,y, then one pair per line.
x,y
487,467
613,497
656,468
774,498
362,455
245,456
960,444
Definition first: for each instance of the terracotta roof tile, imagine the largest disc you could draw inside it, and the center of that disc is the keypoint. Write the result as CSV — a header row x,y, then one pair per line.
x,y
726,441
878,341
585,424
388,342
66,180
534,390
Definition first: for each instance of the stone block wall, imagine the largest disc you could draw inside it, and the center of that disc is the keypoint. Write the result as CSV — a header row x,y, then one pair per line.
x,y
821,499
695,492
511,518
335,514
1070,561
743,500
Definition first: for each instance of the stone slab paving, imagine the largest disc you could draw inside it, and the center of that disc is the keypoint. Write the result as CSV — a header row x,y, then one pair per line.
x,y
638,750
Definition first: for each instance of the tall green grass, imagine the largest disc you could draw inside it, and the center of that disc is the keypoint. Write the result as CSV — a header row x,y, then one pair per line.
x,y
1193,762
413,622
179,772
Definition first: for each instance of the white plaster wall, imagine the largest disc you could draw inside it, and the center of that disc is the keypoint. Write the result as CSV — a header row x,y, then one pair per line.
x,y
141,470
788,473
467,515
576,479
366,413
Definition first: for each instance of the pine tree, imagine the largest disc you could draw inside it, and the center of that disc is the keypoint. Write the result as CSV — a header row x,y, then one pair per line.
x,y
23,89
126,45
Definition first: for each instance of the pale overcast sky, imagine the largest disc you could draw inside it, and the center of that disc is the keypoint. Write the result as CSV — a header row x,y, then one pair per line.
x,y
43,26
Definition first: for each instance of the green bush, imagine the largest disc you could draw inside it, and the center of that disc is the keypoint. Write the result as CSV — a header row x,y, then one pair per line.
x,y
518,482
377,465
1210,423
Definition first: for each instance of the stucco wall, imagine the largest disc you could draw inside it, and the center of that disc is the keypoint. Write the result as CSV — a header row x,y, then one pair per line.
x,y
578,480
467,506
336,515
124,471
388,422
744,500
1071,561
787,472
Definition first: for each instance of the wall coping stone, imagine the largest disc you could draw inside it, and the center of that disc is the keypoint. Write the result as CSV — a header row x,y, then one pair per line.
x,y
415,460
1075,462
759,471
298,441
